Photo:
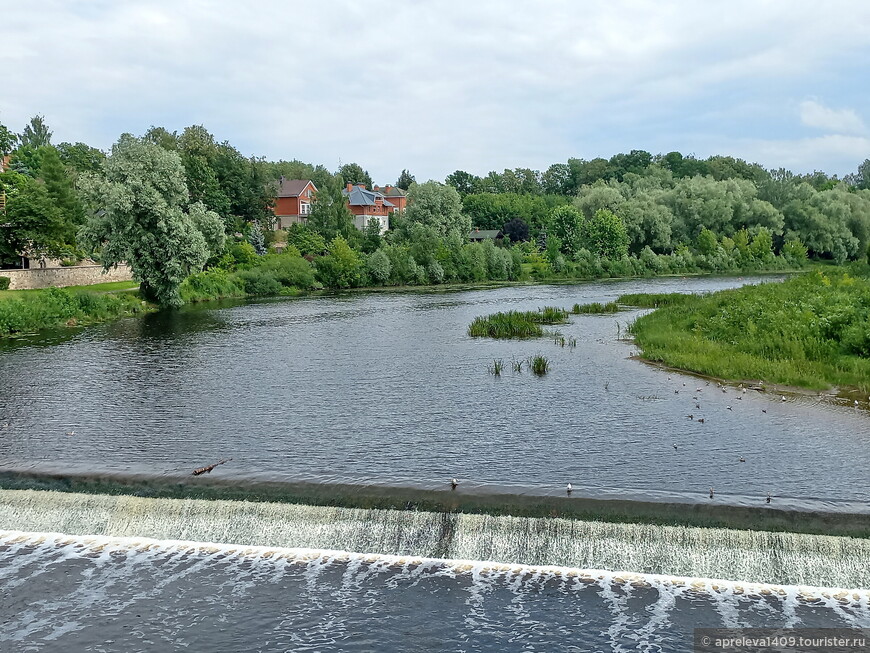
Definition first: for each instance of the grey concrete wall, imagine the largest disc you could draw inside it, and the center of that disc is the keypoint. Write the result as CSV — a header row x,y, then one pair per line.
x,y
79,275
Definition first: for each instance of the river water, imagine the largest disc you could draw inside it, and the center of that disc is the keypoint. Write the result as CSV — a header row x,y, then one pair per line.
x,y
387,389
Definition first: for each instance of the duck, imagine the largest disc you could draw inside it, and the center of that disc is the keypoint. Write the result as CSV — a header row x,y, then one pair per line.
x,y
768,497
675,446
701,420
690,416
741,459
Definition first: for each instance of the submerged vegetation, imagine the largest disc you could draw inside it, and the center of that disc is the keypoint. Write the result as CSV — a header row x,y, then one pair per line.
x,y
811,331
539,365
516,324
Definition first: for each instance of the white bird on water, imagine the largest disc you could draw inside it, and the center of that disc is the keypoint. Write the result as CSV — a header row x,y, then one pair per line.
x,y
569,488
453,483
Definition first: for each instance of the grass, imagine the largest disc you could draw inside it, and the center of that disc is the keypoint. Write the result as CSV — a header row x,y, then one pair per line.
x,y
496,368
653,300
516,324
595,307
811,331
109,286
539,365
30,311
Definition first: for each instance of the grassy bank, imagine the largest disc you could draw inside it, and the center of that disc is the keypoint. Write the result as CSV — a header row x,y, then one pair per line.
x,y
812,331
30,311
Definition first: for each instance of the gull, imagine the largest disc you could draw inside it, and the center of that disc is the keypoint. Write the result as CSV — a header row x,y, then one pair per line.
x,y
453,483
782,397
569,489
675,446
741,459
711,493
739,397
697,405
729,407
70,432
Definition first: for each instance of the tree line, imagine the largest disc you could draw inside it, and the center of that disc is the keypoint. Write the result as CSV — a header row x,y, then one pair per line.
x,y
172,204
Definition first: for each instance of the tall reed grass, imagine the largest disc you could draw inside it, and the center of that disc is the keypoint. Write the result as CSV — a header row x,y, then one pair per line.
x,y
516,324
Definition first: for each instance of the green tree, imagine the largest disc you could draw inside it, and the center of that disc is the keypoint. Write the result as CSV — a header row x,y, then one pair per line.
x,y
405,180
330,216
566,225
78,158
7,141
707,242
341,267
36,133
352,173
141,215
465,183
60,189
605,235
516,229
306,240
437,205
33,225
163,137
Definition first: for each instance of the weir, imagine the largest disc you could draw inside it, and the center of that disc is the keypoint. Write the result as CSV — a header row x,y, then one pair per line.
x,y
679,551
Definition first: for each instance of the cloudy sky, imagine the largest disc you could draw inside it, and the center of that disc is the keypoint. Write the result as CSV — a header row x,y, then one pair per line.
x,y
440,85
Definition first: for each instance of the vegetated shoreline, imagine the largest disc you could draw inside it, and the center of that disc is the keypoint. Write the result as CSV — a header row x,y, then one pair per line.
x,y
807,336
44,320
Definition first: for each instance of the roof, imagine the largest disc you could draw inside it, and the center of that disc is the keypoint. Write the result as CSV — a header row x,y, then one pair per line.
x,y
293,187
394,191
485,234
363,197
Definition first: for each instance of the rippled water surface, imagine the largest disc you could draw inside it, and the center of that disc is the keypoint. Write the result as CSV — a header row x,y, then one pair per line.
x,y
61,593
387,388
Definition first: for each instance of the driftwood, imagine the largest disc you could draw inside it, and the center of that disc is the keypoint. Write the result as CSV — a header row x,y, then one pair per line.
x,y
208,468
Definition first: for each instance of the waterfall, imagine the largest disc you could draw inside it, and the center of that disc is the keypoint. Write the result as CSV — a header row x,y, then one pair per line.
x,y
674,551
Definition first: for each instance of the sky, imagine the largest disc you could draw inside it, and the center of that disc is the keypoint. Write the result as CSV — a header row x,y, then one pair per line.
x,y
439,85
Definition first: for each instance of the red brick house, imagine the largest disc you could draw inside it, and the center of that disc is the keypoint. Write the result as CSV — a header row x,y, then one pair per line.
x,y
367,204
293,201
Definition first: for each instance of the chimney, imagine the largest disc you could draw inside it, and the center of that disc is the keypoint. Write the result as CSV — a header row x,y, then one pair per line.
x,y
388,188
363,186
349,187
376,188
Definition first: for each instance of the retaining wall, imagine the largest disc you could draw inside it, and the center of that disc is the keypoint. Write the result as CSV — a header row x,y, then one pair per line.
x,y
79,275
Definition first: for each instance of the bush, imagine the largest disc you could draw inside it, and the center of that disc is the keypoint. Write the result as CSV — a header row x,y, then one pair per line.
x,y
4,283
378,267
210,284
290,270
259,282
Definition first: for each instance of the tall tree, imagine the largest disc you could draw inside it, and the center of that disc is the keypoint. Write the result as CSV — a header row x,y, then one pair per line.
x,y
464,182
36,133
352,173
141,215
7,141
330,217
79,157
405,180
439,206
60,189
33,225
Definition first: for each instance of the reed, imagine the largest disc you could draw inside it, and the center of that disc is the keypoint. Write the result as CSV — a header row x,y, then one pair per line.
x,y
654,300
516,324
595,308
497,366
539,364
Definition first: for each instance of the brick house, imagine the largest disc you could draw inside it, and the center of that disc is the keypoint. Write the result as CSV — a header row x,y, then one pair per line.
x,y
367,204
293,201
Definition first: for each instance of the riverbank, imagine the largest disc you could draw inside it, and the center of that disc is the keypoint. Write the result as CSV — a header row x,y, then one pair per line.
x,y
812,332
30,311
371,497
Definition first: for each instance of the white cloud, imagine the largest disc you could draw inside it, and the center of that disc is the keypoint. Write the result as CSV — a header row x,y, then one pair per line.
x,y
835,121
430,86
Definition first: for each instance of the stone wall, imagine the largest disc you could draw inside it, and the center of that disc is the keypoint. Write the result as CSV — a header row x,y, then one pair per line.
x,y
78,275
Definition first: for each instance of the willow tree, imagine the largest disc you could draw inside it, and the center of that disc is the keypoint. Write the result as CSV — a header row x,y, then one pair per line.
x,y
141,214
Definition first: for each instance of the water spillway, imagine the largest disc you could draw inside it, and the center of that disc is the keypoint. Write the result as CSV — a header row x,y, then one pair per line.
x,y
748,556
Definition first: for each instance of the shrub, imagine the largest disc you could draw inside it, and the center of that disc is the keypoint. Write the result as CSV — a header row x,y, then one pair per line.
x,y
210,284
290,270
259,281
4,283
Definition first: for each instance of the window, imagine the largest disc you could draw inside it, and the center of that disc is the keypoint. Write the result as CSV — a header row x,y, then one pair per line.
x,y
304,208
308,193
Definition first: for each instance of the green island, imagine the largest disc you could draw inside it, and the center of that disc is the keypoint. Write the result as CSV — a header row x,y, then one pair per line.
x,y
811,331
